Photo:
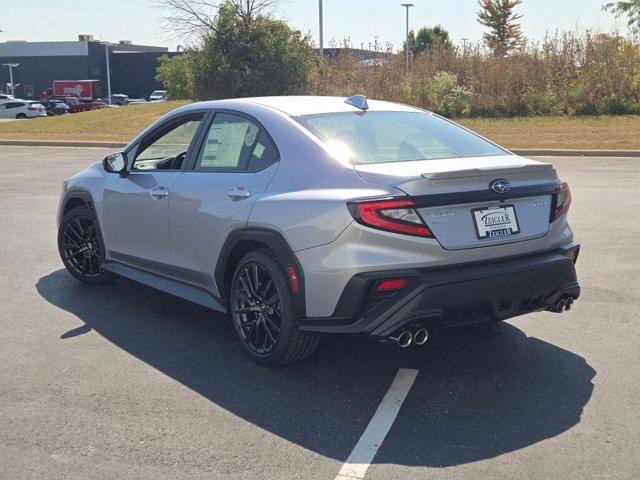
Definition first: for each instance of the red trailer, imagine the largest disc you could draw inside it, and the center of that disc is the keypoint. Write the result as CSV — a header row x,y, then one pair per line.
x,y
82,89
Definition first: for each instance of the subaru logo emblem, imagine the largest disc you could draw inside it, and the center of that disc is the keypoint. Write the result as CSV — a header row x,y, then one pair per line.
x,y
500,186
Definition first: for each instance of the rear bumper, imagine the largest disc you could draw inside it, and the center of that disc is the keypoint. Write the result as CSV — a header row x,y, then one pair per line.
x,y
446,297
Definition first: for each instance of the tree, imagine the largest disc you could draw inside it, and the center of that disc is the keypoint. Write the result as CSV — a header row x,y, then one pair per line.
x,y
505,35
630,9
428,38
189,18
254,56
176,74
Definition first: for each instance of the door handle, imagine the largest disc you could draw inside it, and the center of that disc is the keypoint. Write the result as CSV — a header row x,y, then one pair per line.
x,y
159,193
238,193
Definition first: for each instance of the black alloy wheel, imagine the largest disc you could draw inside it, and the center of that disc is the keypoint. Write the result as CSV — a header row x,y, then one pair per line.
x,y
257,313
80,247
263,314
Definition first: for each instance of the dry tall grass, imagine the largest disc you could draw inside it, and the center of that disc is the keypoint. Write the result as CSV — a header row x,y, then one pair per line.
x,y
567,74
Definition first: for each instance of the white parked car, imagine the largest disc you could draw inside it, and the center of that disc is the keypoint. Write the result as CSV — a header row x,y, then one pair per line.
x,y
158,96
6,96
21,109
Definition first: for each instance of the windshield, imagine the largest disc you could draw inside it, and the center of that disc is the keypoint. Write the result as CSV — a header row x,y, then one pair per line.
x,y
380,137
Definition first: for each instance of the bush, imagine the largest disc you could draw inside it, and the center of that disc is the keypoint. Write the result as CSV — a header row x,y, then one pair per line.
x,y
176,75
448,97
244,58
540,103
618,105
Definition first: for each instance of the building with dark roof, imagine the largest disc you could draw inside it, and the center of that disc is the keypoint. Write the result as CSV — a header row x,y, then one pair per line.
x,y
133,67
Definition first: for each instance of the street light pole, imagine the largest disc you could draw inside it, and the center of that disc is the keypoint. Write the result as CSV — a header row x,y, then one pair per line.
x,y
321,33
106,53
11,67
406,44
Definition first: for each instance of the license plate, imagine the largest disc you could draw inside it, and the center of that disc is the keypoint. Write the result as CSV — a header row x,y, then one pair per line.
x,y
495,222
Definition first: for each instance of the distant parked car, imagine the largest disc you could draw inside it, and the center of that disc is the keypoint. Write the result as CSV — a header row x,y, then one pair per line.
x,y
75,105
120,99
158,96
137,101
21,109
55,107
6,96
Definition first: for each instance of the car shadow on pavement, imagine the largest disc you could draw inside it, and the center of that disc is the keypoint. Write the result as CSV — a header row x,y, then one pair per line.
x,y
482,391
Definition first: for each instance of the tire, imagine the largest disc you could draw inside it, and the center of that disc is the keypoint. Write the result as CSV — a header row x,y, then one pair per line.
x,y
21,115
81,248
256,310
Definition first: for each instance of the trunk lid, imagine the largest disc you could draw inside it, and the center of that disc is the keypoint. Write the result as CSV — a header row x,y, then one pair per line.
x,y
460,208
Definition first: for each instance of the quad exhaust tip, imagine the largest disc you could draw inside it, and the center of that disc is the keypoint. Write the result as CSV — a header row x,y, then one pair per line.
x,y
563,305
403,339
421,336
413,335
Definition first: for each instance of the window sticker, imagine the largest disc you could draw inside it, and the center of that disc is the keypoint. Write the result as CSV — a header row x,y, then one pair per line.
x,y
250,138
259,150
224,145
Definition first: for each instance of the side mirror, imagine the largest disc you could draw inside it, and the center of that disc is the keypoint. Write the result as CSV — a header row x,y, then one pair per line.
x,y
115,163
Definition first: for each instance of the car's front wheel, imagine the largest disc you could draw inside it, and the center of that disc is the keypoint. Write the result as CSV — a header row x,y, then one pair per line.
x,y
263,314
80,247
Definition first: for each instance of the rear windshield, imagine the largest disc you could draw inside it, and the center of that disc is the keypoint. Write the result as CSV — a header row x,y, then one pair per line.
x,y
380,137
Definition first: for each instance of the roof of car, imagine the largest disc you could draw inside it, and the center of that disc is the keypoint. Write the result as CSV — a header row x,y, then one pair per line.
x,y
307,105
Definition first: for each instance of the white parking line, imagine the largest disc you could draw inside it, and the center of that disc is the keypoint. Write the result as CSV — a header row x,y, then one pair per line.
x,y
365,450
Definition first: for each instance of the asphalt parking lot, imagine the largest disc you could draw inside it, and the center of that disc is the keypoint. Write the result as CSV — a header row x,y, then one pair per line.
x,y
121,381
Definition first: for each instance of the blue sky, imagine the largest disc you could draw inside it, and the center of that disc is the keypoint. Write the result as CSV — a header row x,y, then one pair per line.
x,y
360,20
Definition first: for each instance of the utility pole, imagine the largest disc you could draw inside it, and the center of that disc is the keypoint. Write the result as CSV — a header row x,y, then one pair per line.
x,y
321,33
106,54
406,44
11,67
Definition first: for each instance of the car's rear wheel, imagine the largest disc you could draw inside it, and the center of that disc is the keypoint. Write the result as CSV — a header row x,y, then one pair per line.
x,y
21,115
263,314
80,247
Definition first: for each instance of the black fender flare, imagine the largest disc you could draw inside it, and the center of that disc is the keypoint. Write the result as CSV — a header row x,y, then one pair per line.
x,y
87,199
73,194
272,240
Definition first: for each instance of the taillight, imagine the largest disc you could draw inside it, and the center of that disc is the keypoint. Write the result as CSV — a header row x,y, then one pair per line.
x,y
563,201
391,285
393,215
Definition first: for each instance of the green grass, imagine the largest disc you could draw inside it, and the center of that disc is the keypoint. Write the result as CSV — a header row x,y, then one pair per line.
x,y
106,125
122,124
582,133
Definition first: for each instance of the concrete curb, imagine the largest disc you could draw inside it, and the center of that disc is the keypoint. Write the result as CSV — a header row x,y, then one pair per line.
x,y
576,153
523,152
46,143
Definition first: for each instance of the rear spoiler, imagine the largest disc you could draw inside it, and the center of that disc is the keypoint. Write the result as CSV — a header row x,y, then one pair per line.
x,y
498,170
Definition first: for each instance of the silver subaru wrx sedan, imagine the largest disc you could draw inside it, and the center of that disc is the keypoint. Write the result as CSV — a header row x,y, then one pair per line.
x,y
304,216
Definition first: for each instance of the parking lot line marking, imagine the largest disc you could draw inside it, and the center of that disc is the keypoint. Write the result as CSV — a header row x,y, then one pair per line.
x,y
365,450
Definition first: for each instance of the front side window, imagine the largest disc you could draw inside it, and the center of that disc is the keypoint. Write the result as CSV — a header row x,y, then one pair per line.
x,y
235,143
11,105
380,137
167,149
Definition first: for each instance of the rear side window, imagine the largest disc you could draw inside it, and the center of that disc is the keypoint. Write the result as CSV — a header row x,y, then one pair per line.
x,y
381,137
264,153
236,143
9,105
